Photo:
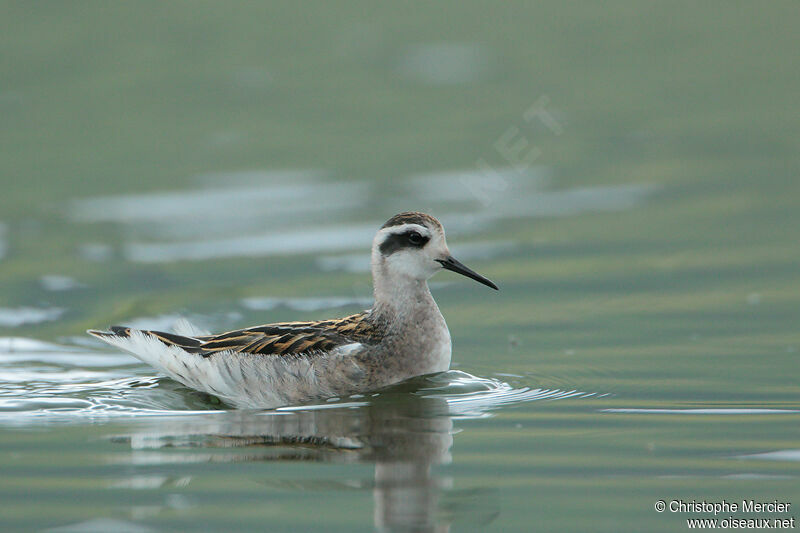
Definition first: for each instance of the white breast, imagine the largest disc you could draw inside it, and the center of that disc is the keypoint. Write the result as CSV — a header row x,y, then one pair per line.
x,y
442,352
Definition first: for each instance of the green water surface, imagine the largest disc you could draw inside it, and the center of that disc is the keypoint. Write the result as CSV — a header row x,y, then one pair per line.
x,y
627,172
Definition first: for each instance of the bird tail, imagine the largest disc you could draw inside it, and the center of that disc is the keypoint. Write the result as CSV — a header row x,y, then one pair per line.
x,y
188,344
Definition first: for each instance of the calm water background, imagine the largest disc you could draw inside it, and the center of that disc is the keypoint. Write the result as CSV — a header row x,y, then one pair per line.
x,y
627,172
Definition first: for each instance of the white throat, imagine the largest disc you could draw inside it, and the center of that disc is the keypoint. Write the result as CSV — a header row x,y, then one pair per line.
x,y
400,294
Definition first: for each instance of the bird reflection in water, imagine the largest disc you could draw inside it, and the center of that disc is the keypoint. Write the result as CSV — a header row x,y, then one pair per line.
x,y
404,435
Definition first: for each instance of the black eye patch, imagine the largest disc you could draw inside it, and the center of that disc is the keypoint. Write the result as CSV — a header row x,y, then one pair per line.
x,y
398,241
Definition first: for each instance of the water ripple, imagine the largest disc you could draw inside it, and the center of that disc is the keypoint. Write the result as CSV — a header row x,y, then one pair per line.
x,y
472,396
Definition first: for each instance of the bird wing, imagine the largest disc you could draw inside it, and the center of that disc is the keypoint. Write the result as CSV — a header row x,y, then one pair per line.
x,y
283,338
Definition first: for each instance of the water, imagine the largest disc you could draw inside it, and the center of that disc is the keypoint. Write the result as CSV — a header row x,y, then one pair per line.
x,y
626,174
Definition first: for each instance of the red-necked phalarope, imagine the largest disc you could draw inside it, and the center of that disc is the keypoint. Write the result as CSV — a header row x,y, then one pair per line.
x,y
401,336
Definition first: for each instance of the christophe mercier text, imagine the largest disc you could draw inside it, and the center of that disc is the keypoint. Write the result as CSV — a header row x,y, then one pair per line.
x,y
746,506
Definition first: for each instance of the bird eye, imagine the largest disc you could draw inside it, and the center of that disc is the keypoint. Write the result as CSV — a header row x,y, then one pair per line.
x,y
415,238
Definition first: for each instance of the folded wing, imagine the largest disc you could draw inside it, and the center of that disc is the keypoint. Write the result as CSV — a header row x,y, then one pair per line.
x,y
286,338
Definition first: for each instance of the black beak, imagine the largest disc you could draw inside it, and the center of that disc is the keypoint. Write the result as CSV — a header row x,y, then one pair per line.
x,y
452,264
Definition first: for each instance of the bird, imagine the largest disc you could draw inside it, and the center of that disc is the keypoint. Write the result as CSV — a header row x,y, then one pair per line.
x,y
401,336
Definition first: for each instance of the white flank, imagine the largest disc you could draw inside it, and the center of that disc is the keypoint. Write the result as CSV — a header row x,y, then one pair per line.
x,y
244,380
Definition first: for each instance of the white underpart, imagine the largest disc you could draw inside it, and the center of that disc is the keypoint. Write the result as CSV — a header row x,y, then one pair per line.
x,y
244,380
